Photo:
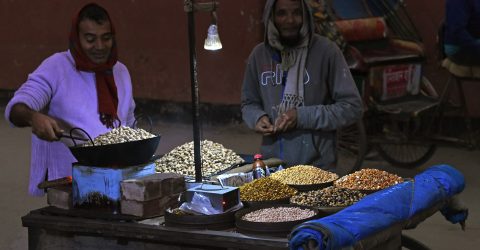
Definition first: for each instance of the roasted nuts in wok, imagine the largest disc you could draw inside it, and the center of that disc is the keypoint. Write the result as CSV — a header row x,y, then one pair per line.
x,y
120,135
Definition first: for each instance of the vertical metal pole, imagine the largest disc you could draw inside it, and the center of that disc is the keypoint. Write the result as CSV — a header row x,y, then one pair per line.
x,y
194,89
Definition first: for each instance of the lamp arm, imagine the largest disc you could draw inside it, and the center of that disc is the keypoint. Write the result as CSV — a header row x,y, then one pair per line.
x,y
204,7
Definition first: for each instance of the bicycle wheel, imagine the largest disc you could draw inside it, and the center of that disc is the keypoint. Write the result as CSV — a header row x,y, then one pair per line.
x,y
351,148
402,144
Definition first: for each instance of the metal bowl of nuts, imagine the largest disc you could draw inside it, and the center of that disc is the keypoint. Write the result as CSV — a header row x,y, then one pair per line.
x,y
265,191
249,204
310,187
368,180
179,218
118,148
305,178
274,220
329,200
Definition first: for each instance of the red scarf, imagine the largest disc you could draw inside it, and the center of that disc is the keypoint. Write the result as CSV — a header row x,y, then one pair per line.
x,y
106,88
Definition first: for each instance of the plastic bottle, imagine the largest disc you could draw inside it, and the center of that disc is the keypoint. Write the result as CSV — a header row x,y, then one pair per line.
x,y
267,171
258,167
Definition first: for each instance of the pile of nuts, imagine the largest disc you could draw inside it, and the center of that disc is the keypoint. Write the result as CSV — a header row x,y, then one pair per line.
x,y
265,189
304,175
215,158
368,179
120,135
328,197
279,214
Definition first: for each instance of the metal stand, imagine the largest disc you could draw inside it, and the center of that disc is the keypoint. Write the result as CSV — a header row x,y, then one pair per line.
x,y
194,88
190,7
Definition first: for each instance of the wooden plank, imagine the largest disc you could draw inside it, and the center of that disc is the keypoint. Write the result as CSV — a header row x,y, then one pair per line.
x,y
161,234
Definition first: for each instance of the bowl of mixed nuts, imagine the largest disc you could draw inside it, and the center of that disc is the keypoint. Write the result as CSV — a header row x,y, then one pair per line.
x,y
368,180
120,147
329,200
305,178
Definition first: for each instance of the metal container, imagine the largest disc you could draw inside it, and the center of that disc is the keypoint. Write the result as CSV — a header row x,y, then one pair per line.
x,y
212,222
277,229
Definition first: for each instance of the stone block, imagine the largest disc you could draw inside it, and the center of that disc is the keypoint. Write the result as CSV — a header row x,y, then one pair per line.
x,y
60,197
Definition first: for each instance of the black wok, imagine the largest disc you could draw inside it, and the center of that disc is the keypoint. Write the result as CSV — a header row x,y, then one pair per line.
x,y
117,155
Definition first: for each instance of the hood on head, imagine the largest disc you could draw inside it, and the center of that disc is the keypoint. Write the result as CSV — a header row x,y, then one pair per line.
x,y
267,13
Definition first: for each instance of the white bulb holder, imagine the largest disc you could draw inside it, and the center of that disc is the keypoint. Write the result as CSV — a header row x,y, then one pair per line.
x,y
212,42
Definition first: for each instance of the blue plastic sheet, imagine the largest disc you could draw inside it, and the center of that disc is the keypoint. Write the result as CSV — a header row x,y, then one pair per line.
x,y
381,210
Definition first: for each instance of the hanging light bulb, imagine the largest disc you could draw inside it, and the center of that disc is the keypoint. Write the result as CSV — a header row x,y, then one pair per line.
x,y
212,42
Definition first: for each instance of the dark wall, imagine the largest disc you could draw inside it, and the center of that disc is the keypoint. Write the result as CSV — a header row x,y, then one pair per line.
x,y
152,40
152,37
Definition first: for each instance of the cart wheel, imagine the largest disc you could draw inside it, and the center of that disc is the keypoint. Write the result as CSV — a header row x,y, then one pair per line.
x,y
351,148
405,145
406,155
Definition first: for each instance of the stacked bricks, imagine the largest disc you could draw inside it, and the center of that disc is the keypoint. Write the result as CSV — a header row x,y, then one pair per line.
x,y
149,196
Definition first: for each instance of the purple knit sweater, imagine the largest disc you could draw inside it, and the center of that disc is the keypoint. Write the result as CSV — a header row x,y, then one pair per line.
x,y
57,88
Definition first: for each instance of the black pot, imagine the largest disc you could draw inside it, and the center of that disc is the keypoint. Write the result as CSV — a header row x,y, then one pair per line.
x,y
117,155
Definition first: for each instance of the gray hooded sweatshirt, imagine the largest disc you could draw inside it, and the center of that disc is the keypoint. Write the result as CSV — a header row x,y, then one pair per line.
x,y
331,99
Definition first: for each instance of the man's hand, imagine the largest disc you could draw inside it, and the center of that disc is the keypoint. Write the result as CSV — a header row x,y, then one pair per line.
x,y
286,121
45,127
264,126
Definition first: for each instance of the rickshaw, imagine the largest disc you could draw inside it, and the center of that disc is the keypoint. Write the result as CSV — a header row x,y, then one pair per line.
x,y
385,56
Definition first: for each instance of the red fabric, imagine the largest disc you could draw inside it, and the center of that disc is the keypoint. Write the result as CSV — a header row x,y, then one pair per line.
x,y
363,29
106,88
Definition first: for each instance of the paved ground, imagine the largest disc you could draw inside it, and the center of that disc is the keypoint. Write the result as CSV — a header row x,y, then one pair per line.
x,y
435,232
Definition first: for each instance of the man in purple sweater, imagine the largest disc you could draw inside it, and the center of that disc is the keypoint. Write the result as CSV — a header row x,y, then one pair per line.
x,y
84,87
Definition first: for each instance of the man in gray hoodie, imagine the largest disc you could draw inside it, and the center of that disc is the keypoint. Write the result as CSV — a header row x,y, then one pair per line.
x,y
297,89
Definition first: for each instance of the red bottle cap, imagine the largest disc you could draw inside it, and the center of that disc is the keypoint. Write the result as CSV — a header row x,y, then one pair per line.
x,y
257,156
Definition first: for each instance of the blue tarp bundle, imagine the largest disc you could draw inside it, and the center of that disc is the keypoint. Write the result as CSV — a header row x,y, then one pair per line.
x,y
381,210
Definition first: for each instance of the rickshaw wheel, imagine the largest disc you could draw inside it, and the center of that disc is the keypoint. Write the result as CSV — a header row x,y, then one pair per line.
x,y
405,145
351,147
